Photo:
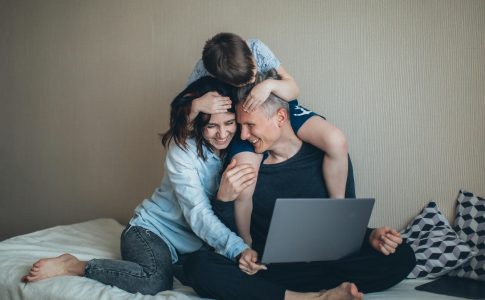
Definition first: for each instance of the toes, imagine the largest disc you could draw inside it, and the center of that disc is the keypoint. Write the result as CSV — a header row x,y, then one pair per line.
x,y
38,264
353,288
346,285
28,278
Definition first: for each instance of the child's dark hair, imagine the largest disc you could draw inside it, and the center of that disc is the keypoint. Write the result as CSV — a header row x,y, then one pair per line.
x,y
180,126
228,58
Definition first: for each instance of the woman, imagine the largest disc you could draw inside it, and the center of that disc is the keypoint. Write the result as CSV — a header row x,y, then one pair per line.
x,y
177,219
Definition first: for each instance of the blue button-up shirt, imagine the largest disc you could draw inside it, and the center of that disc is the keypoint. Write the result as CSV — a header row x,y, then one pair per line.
x,y
179,211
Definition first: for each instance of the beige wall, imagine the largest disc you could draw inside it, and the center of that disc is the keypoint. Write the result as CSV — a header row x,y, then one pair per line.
x,y
85,87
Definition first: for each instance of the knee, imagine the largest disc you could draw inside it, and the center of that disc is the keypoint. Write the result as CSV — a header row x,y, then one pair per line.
x,y
402,261
156,283
406,257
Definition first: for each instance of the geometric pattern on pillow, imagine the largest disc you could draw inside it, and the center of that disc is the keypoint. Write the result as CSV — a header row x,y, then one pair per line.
x,y
470,226
437,247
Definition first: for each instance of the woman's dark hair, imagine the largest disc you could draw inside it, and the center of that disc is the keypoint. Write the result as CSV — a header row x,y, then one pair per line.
x,y
180,126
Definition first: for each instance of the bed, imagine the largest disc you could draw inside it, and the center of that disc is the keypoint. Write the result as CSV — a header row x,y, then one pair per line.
x,y
100,239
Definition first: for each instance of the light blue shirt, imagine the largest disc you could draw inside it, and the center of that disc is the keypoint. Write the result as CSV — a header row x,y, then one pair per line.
x,y
179,211
265,60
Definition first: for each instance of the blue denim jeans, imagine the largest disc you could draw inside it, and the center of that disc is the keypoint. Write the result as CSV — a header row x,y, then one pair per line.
x,y
146,265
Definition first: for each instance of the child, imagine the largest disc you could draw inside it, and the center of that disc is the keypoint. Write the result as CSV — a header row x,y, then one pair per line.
x,y
229,58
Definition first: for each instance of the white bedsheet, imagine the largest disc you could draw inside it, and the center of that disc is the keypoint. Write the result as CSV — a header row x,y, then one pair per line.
x,y
100,239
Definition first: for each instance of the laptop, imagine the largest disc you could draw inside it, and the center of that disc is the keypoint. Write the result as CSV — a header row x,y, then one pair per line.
x,y
316,229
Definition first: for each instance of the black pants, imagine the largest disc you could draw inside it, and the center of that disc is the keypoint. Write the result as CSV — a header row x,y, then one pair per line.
x,y
214,276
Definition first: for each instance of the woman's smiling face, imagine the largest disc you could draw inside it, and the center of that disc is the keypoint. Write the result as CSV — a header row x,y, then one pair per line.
x,y
220,130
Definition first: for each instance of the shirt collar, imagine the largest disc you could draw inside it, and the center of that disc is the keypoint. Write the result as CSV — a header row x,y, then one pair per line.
x,y
209,153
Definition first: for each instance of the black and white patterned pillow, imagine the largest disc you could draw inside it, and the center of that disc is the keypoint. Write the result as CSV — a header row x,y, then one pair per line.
x,y
437,247
470,226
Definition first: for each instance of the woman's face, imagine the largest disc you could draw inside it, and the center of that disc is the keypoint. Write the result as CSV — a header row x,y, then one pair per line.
x,y
220,130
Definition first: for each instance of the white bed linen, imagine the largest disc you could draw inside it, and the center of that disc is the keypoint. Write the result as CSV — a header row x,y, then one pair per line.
x,y
100,239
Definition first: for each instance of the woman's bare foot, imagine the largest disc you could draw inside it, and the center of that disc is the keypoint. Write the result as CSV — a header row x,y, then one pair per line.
x,y
65,264
345,291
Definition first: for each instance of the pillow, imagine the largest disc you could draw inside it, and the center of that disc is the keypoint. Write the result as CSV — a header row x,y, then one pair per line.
x,y
470,226
437,247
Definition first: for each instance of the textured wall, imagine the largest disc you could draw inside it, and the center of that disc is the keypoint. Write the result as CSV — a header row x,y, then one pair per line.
x,y
85,87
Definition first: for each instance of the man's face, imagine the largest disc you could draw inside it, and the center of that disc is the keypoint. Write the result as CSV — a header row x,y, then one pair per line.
x,y
258,129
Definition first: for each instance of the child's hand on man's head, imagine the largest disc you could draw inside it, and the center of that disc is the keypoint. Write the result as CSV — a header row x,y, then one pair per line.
x,y
257,96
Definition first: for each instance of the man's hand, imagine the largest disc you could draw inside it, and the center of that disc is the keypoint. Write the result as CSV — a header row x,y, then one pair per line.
x,y
385,240
247,262
234,180
257,96
210,103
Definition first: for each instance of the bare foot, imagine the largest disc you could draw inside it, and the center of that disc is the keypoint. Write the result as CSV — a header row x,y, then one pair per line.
x,y
65,264
345,291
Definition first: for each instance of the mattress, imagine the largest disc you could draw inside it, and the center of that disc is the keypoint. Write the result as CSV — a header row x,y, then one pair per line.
x,y
100,239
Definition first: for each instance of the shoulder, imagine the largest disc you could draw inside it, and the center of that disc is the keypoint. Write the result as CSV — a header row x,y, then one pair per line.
x,y
255,43
198,72
199,66
307,148
258,47
176,152
265,59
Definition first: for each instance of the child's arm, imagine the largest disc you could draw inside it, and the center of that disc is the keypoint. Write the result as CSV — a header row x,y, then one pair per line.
x,y
243,206
285,88
332,141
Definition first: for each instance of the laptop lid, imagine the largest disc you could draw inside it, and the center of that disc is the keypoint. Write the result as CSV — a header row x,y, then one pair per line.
x,y
316,229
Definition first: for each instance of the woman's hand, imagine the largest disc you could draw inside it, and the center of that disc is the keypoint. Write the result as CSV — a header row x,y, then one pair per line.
x,y
385,240
235,179
258,95
209,103
247,262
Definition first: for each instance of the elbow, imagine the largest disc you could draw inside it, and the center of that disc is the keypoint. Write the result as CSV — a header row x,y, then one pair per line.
x,y
338,146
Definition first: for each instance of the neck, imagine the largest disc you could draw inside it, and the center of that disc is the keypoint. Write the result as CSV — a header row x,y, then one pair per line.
x,y
284,148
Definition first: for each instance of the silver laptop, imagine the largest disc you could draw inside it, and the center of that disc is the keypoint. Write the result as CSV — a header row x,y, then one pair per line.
x,y
305,230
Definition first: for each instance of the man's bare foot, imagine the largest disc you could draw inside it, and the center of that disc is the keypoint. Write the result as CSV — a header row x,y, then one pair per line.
x,y
65,264
345,291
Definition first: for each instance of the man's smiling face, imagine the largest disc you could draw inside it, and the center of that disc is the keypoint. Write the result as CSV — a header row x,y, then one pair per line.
x,y
258,129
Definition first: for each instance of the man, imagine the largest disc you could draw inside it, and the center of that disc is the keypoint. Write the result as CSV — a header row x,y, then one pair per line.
x,y
290,169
